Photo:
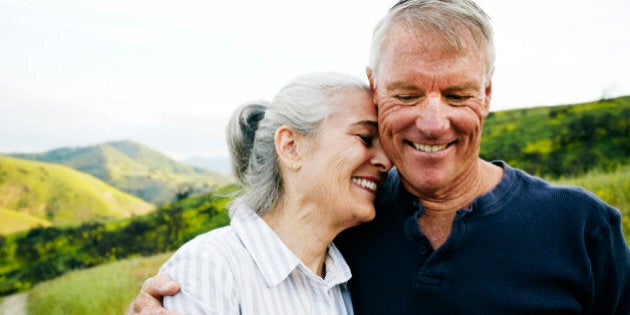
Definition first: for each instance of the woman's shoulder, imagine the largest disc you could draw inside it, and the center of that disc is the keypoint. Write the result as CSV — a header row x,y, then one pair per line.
x,y
215,246
204,267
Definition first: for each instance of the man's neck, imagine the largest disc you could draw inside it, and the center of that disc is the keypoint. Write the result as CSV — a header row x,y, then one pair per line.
x,y
440,208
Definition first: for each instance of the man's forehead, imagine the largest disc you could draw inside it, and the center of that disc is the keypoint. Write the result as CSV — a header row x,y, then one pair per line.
x,y
402,71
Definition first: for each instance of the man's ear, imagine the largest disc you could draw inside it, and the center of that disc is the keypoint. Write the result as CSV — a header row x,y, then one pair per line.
x,y
286,141
488,92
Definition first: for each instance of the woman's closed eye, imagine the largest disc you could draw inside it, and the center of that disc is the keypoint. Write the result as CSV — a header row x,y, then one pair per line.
x,y
368,140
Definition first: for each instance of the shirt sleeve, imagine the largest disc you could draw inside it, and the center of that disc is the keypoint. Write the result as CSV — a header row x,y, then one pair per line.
x,y
610,262
206,279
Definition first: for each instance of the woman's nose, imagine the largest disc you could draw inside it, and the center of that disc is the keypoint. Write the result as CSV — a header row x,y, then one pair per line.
x,y
380,159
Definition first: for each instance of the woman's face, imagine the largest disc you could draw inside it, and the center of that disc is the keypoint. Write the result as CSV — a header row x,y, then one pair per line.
x,y
345,163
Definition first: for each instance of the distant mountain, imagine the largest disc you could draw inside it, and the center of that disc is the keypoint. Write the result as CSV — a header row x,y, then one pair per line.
x,y
219,164
43,194
135,169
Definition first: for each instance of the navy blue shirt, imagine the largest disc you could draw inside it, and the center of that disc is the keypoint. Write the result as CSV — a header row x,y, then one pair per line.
x,y
526,247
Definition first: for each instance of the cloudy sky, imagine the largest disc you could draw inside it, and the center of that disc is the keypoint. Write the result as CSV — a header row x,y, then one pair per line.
x,y
168,73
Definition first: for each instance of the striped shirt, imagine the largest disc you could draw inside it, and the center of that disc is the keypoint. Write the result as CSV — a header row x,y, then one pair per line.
x,y
245,268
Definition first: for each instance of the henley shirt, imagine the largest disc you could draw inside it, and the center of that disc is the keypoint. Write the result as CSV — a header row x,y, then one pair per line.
x,y
526,247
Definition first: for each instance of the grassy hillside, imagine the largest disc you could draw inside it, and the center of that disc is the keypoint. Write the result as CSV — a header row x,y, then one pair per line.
x,y
561,140
12,221
135,169
106,289
27,258
45,193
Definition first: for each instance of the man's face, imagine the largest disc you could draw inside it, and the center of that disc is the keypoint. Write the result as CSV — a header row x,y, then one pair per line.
x,y
431,102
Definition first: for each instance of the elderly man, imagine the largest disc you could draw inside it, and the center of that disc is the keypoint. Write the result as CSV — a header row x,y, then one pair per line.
x,y
455,234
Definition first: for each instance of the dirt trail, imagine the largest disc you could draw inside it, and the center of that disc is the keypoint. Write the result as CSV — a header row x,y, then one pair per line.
x,y
14,304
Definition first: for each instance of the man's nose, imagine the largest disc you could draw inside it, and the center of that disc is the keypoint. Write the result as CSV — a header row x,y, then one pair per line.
x,y
432,115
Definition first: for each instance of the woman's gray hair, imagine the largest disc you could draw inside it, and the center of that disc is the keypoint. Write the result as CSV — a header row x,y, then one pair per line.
x,y
302,105
443,16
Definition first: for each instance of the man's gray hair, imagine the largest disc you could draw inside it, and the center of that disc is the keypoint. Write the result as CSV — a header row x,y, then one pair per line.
x,y
302,105
445,17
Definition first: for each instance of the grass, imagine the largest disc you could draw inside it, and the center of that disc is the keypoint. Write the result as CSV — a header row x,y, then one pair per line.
x,y
13,221
106,289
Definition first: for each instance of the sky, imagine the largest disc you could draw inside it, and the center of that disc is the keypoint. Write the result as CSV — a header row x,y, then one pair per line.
x,y
168,73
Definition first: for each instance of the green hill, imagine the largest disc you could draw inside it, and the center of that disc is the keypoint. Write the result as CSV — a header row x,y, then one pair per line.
x,y
36,193
135,169
565,140
12,221
39,254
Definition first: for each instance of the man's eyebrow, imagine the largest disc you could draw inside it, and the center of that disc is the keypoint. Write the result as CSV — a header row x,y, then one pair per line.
x,y
455,88
462,87
401,85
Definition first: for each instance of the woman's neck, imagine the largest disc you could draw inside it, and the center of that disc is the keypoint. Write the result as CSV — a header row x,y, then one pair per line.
x,y
303,230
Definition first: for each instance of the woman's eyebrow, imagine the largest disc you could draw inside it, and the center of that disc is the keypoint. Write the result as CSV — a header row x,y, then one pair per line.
x,y
370,124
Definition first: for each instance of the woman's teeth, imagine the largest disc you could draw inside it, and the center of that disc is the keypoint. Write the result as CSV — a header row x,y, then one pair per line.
x,y
365,183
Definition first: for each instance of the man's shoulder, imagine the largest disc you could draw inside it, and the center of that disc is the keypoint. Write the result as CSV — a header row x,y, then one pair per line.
x,y
538,185
575,199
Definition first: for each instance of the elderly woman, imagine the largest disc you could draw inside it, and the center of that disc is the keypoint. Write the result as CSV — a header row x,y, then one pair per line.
x,y
311,161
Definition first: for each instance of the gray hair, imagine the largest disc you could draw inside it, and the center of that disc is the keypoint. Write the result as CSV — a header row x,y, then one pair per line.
x,y
302,105
442,16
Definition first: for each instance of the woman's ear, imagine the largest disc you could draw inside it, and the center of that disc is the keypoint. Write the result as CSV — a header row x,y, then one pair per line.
x,y
286,141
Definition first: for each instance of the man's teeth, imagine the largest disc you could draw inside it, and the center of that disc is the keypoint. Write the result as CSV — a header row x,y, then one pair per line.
x,y
365,183
429,148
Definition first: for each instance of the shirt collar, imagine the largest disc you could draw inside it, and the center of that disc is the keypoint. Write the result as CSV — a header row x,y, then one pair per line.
x,y
495,199
273,257
394,193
